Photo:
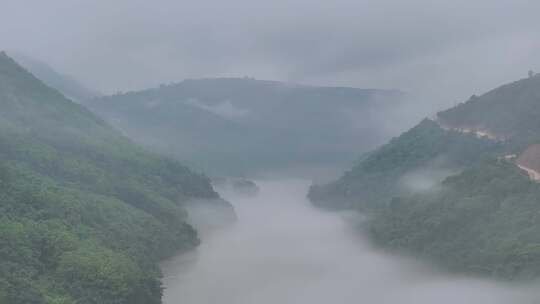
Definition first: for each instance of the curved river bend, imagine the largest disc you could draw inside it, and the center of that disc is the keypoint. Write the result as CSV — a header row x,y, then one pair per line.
x,y
283,251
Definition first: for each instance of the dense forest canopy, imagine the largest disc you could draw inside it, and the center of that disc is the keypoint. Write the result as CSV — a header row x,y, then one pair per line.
x,y
426,149
479,212
84,213
484,220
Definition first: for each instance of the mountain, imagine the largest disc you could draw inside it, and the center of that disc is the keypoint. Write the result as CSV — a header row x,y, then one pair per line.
x,y
461,191
414,161
85,214
481,221
509,112
239,126
67,85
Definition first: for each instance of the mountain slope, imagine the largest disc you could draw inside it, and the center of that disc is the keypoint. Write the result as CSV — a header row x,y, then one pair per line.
x,y
237,126
416,160
510,111
84,213
478,212
66,84
484,220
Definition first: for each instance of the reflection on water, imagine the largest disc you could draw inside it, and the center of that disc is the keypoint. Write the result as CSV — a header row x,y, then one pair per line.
x,y
283,251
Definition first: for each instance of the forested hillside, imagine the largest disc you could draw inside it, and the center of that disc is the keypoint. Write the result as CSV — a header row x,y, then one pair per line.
x,y
420,157
238,126
67,85
484,220
510,111
84,213
475,213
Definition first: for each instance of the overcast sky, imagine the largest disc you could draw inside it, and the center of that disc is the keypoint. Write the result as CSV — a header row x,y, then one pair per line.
x,y
448,48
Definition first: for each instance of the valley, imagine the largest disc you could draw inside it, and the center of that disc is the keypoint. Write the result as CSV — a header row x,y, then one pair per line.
x,y
269,152
446,210
266,258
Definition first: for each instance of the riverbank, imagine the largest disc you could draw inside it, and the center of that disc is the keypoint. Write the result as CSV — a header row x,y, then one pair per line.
x,y
282,250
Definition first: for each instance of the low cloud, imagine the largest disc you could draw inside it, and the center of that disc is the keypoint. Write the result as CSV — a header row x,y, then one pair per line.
x,y
449,49
224,109
282,250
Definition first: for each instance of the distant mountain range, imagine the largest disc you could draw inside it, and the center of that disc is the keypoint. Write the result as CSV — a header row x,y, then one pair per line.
x,y
461,190
238,126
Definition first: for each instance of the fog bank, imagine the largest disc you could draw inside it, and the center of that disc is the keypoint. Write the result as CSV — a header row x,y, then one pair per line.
x,y
282,250
451,49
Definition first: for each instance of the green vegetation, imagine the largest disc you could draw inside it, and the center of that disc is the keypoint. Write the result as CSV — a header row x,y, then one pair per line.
x,y
484,220
238,126
482,216
66,84
85,215
378,176
511,111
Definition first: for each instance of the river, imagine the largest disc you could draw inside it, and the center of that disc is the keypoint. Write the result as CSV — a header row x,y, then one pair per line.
x,y
284,251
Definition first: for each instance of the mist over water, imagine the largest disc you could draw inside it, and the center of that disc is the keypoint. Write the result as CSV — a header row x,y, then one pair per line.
x,y
282,250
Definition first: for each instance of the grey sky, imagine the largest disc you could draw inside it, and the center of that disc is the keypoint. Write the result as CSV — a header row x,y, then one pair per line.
x,y
448,48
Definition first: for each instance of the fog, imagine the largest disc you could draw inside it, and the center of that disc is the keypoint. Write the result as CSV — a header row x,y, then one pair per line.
x,y
429,177
282,250
274,247
446,50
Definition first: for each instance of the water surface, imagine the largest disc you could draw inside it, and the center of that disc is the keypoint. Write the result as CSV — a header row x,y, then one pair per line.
x,y
284,251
